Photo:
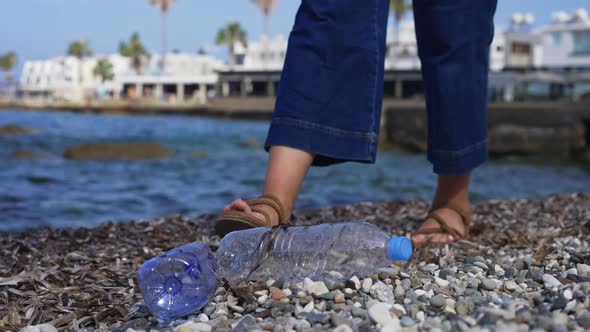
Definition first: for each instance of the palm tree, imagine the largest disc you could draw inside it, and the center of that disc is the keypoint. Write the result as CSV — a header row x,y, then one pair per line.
x,y
7,63
80,49
164,8
134,50
104,70
230,35
266,7
399,8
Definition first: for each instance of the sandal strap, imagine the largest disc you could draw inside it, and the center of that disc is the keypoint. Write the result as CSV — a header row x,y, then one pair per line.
x,y
274,203
465,214
444,225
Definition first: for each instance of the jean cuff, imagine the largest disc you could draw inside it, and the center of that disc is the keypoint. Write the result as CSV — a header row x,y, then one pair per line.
x,y
453,162
330,145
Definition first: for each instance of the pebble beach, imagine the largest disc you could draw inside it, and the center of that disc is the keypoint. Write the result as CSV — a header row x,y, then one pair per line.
x,y
525,268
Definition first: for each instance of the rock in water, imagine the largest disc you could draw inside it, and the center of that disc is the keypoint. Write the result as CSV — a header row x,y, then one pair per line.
x,y
23,154
12,129
118,151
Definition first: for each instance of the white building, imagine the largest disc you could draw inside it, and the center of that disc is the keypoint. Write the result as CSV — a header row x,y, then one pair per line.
x,y
185,77
402,49
566,41
67,78
265,54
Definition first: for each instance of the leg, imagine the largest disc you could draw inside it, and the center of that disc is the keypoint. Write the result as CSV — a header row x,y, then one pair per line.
x,y
453,44
329,99
286,171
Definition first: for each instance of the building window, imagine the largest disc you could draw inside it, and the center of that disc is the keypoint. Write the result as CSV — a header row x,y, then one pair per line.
x,y
581,42
556,37
521,48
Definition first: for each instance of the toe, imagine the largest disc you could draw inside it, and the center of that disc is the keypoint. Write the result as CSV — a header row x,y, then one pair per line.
x,y
238,205
422,239
419,239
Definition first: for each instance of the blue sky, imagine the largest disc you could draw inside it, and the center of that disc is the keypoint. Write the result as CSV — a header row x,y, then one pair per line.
x,y
43,28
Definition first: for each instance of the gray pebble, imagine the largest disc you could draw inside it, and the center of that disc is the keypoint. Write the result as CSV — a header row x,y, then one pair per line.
x,y
406,284
490,284
446,272
359,312
438,300
406,321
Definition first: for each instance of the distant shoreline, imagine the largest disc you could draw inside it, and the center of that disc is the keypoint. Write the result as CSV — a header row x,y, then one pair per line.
x,y
548,130
234,108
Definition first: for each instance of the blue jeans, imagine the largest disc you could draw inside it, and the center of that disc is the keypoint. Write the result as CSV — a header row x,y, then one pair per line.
x,y
330,96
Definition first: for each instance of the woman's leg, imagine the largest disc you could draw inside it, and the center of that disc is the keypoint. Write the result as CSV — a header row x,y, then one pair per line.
x,y
330,95
286,171
453,44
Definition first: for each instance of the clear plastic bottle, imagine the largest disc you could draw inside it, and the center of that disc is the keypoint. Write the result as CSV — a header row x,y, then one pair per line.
x,y
335,251
185,279
179,282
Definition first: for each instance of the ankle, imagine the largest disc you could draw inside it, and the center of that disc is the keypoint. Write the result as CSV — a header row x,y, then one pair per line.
x,y
287,203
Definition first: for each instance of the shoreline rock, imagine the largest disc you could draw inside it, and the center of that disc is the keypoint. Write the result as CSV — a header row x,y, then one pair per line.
x,y
118,151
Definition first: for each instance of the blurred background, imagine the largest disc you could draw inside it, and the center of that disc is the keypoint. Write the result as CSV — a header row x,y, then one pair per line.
x,y
135,109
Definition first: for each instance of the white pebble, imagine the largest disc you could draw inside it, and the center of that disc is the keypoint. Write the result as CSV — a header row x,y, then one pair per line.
x,y
570,306
366,285
357,283
342,328
315,288
393,326
510,285
262,299
380,314
441,282
399,307
194,327
583,270
568,294
550,281
40,328
309,307
498,270
420,316
202,318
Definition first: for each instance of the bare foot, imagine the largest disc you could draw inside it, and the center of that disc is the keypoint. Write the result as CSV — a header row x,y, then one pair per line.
x,y
242,206
452,218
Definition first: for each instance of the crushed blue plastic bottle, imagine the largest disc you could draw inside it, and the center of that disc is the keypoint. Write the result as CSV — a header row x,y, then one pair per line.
x,y
180,281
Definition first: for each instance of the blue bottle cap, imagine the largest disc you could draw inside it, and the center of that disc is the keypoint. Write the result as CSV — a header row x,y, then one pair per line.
x,y
399,248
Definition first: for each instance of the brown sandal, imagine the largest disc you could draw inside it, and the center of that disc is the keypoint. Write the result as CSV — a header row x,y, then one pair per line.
x,y
230,221
444,226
